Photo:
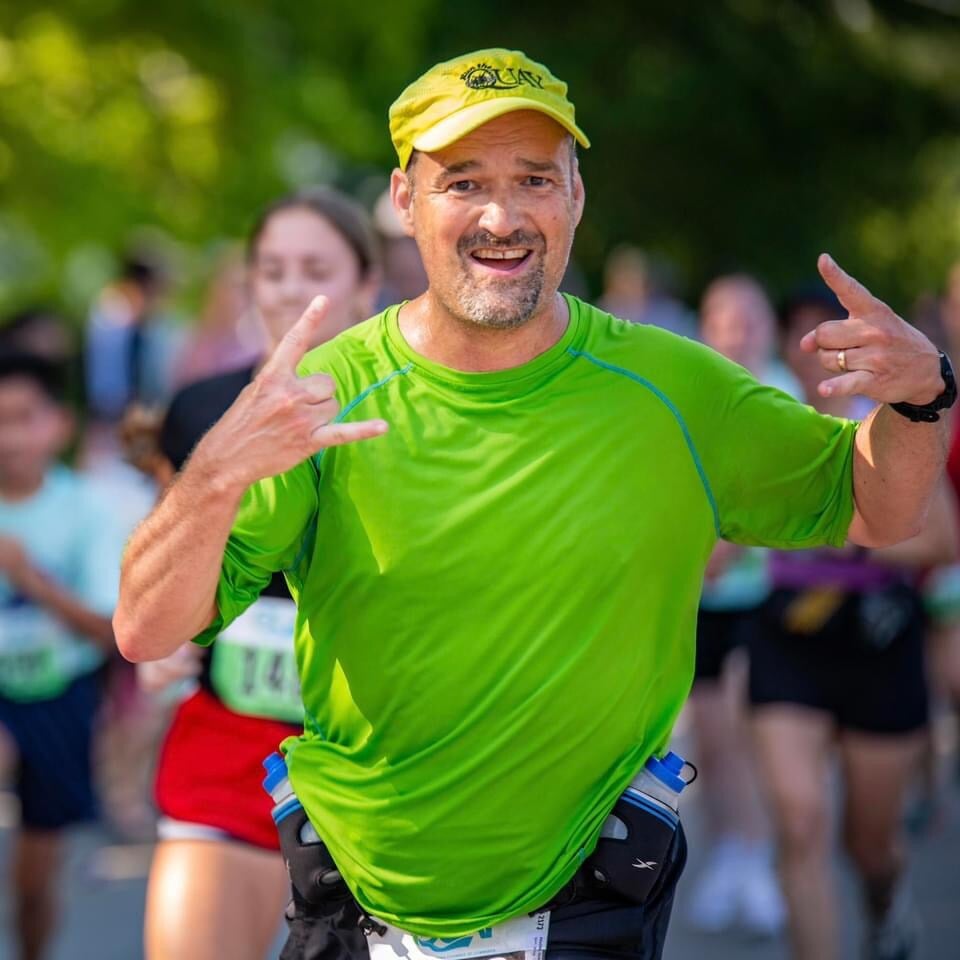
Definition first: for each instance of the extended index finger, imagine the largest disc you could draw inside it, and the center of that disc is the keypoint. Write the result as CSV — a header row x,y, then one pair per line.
x,y
850,292
299,338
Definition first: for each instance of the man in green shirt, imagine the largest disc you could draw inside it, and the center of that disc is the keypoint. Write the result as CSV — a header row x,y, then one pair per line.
x,y
497,595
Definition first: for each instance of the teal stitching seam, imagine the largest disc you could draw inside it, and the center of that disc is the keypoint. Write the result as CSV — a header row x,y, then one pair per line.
x,y
306,544
311,721
665,400
307,541
360,397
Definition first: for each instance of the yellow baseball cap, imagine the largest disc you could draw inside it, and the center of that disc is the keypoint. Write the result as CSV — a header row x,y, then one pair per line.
x,y
459,95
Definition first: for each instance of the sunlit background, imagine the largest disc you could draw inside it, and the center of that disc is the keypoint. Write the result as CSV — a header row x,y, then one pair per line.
x,y
740,133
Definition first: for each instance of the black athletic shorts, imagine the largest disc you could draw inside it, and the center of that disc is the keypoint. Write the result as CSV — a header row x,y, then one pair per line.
x,y
581,929
864,664
719,633
53,740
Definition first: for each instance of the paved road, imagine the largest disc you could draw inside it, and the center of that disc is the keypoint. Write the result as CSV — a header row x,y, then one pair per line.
x,y
104,889
935,881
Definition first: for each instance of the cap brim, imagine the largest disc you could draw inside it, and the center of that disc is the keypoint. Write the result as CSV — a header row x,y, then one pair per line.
x,y
464,121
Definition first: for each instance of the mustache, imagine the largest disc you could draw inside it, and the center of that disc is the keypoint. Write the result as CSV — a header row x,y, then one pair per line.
x,y
519,238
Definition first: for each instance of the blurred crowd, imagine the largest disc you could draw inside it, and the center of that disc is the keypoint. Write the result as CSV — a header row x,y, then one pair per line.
x,y
809,665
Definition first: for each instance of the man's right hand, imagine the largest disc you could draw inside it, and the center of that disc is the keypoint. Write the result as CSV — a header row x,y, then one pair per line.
x,y
280,419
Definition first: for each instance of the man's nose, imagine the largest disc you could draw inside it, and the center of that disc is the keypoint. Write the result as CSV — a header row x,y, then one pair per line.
x,y
500,217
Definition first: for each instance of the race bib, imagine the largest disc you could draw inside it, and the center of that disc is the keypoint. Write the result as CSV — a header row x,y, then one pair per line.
x,y
521,938
253,670
34,654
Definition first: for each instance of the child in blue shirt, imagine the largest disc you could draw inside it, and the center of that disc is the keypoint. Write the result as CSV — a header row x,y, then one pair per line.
x,y
59,572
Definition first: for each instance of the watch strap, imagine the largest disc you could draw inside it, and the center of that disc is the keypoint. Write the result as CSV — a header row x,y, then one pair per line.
x,y
930,412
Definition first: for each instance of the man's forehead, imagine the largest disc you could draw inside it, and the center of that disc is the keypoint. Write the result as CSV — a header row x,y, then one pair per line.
x,y
474,164
518,125
525,137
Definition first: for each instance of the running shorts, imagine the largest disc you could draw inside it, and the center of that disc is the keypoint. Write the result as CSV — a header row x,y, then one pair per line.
x,y
719,633
53,738
864,664
210,770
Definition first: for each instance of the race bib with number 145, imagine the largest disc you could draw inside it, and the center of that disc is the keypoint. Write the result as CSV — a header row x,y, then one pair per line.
x,y
253,669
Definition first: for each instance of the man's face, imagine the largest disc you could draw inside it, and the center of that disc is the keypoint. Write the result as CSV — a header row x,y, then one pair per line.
x,y
494,215
33,429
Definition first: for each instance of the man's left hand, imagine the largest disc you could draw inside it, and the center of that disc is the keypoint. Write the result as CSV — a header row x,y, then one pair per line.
x,y
873,352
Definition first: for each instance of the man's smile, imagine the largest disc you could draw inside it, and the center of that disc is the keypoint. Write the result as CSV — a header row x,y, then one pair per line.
x,y
502,259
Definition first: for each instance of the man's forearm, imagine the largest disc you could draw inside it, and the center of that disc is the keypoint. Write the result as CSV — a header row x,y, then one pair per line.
x,y
897,465
168,583
937,544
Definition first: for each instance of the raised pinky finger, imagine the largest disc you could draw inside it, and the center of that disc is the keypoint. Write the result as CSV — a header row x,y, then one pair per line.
x,y
337,434
847,384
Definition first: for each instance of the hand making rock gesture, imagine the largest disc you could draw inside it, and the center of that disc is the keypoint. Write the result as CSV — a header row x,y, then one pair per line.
x,y
873,352
280,418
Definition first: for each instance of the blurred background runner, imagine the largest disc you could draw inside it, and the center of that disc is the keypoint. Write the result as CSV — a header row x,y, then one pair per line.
x,y
218,885
837,668
737,884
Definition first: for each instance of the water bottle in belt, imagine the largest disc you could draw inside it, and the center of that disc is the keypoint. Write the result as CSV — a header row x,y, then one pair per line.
x,y
278,785
311,868
637,835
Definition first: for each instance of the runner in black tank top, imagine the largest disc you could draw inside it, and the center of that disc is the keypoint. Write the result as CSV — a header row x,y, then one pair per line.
x,y
217,885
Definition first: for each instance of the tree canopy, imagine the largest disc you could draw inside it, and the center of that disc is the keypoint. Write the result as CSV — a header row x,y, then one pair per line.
x,y
744,134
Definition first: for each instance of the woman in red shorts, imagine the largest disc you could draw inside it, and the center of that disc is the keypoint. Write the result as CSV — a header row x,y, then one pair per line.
x,y
217,884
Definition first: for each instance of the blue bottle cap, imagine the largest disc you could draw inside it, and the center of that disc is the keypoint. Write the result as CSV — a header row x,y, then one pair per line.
x,y
673,762
663,773
276,768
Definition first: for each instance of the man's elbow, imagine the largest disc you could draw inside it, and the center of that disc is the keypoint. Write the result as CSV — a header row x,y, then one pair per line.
x,y
883,535
140,639
131,639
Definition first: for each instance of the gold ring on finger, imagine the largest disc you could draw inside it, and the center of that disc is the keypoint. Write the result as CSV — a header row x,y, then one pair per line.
x,y
842,360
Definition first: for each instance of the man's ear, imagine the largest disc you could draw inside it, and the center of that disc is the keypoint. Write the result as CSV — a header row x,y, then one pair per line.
x,y
401,193
579,195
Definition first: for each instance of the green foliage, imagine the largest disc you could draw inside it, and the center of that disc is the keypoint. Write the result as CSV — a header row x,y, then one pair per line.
x,y
743,133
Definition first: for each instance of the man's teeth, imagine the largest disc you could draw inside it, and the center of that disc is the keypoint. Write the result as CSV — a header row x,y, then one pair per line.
x,y
500,254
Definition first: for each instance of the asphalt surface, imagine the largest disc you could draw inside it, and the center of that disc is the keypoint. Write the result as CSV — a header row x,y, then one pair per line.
x,y
104,883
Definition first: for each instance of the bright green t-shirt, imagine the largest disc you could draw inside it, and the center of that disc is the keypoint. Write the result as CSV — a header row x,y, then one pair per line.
x,y
497,599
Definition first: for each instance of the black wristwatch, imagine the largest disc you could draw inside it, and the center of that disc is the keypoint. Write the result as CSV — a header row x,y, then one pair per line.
x,y
929,412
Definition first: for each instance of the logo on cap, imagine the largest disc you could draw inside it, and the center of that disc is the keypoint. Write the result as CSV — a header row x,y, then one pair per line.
x,y
484,77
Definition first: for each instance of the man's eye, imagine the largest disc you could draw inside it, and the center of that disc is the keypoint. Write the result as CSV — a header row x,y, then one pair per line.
x,y
535,181
461,186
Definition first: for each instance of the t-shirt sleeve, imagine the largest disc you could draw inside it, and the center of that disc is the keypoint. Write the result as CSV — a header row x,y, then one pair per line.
x,y
780,473
272,532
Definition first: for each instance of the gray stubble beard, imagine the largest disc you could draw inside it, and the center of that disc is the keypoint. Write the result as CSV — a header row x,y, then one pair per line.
x,y
482,308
